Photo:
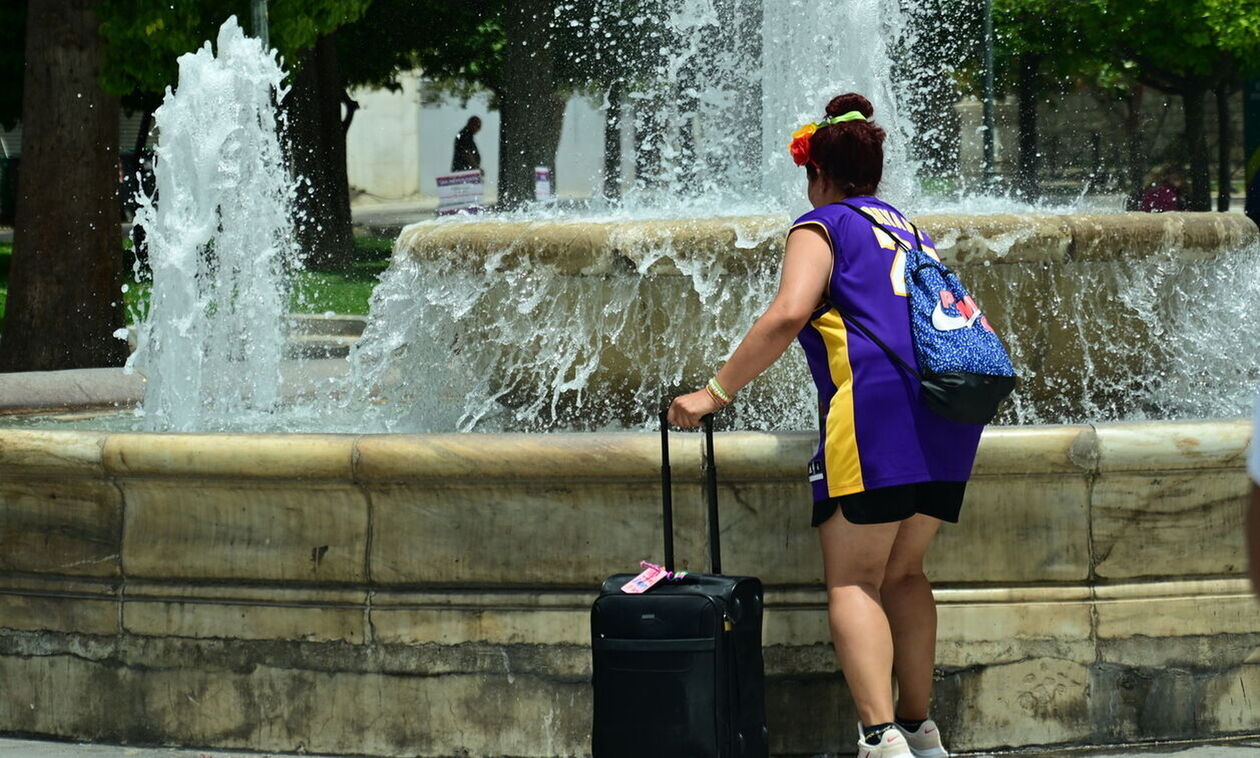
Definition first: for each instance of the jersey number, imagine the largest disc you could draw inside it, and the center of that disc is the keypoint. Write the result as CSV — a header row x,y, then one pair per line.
x,y
898,273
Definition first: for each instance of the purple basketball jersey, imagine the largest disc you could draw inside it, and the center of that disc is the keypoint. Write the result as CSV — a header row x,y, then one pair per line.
x,y
874,430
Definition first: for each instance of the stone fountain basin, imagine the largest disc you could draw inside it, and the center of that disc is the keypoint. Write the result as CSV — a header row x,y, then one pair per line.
x,y
428,595
1047,282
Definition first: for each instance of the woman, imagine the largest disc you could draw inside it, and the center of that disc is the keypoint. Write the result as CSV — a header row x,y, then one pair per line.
x,y
888,470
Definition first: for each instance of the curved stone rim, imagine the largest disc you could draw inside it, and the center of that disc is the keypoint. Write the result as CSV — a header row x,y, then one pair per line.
x,y
572,246
566,456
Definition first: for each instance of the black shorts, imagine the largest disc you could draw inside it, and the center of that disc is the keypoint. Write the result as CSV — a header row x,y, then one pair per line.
x,y
942,500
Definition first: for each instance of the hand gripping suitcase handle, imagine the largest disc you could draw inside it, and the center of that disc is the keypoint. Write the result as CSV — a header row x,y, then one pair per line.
x,y
667,497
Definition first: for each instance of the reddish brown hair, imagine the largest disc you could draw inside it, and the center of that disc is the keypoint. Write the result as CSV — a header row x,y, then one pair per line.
x,y
849,154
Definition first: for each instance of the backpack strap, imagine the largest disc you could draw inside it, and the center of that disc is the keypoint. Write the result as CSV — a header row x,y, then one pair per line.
x,y
852,319
871,335
897,240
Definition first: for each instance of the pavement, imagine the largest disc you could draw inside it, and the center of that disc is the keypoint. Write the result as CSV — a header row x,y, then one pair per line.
x,y
16,748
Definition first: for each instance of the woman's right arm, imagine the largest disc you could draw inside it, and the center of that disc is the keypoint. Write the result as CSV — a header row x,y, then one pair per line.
x,y
806,268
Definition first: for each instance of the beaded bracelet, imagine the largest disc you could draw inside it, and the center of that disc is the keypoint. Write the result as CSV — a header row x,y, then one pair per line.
x,y
713,396
715,389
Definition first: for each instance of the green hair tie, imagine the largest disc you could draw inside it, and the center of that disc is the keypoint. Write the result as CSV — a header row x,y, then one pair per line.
x,y
850,116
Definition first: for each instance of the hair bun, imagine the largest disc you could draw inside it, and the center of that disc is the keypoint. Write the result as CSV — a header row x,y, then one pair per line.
x,y
850,101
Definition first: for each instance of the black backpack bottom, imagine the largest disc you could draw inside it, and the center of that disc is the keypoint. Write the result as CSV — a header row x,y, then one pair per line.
x,y
965,398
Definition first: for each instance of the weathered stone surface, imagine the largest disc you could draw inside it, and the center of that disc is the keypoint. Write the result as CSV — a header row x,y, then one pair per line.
x,y
569,533
1172,490
227,456
1182,625
579,247
79,389
1191,520
503,618
452,458
244,612
60,525
46,604
496,704
427,595
1042,700
1015,530
248,530
31,452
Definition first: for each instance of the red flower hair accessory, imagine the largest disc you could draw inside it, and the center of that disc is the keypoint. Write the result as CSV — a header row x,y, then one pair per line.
x,y
799,146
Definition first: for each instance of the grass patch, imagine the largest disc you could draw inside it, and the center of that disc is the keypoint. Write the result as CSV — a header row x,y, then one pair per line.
x,y
337,291
345,290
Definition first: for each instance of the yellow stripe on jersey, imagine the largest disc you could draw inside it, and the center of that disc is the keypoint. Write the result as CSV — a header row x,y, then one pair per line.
x,y
840,448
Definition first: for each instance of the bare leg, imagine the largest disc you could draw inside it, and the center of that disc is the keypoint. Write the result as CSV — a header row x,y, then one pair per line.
x,y
911,611
854,556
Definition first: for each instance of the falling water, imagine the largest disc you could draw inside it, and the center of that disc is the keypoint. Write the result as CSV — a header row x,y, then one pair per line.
x,y
715,91
517,341
219,239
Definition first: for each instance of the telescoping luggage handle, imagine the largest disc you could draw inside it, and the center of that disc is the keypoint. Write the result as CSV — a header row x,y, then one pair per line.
x,y
667,496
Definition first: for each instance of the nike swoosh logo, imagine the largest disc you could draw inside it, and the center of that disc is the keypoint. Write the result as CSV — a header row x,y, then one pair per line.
x,y
946,323
928,731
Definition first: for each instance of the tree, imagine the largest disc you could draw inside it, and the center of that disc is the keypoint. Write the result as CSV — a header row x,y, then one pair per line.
x,y
12,52
316,146
1236,25
1183,47
1029,34
64,302
146,37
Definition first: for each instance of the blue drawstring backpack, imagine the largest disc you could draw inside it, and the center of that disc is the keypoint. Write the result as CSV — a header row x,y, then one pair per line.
x,y
964,370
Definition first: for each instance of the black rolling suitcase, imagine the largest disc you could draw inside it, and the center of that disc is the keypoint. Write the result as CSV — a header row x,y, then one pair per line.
x,y
678,670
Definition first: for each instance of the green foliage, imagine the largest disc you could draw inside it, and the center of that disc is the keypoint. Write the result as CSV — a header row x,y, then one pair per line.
x,y
1174,45
146,37
459,45
454,42
1236,24
1168,44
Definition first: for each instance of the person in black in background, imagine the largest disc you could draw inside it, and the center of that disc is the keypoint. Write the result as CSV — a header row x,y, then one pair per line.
x,y
467,157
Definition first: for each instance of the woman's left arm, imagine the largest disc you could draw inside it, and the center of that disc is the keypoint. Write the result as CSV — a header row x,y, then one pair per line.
x,y
806,268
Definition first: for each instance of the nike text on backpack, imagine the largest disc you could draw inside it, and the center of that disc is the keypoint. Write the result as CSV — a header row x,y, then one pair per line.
x,y
964,370
677,668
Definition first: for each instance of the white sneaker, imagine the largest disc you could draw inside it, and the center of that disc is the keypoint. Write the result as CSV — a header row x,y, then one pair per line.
x,y
926,742
891,745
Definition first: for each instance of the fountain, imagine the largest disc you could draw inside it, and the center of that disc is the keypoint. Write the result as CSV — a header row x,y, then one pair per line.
x,y
381,591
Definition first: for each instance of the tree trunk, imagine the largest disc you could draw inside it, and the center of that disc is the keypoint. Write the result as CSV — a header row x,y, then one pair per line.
x,y
1028,91
1135,139
612,143
316,142
64,300
1225,145
1193,99
530,109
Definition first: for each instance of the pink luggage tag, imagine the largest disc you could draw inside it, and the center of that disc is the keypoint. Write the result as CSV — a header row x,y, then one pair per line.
x,y
649,578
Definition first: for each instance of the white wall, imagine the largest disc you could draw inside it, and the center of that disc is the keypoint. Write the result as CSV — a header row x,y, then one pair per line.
x,y
398,145
580,159
383,144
